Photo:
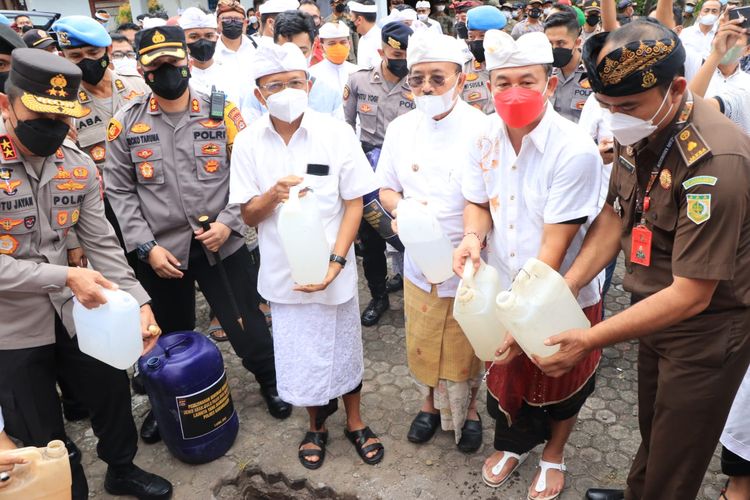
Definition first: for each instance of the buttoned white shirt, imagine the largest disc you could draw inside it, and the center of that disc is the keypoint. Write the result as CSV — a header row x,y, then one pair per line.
x,y
592,121
694,39
367,48
425,159
737,106
238,65
220,76
336,75
556,177
260,158
720,83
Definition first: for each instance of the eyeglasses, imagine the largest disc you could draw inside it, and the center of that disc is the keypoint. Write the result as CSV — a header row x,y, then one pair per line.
x,y
121,55
276,87
436,81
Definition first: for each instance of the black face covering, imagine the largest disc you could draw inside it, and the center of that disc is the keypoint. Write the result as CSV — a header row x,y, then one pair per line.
x,y
168,81
535,13
93,69
593,19
461,30
477,50
397,67
3,79
41,136
232,28
202,50
561,56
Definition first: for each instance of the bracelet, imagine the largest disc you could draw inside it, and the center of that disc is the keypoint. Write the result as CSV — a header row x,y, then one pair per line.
x,y
482,242
337,259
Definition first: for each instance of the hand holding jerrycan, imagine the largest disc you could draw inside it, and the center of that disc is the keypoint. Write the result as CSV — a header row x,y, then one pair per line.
x,y
44,476
474,309
303,238
538,306
423,238
111,332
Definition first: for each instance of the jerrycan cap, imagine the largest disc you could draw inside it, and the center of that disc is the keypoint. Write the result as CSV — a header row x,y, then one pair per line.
x,y
56,449
153,363
505,300
465,295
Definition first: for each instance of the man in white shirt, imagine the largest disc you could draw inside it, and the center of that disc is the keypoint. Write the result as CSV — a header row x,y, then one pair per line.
x,y
424,155
423,15
364,16
317,335
268,12
334,69
698,36
533,190
233,50
728,73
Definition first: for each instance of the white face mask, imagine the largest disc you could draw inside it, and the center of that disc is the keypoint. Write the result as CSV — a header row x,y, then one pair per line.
x,y
547,11
629,129
441,8
287,105
252,20
435,105
709,20
422,17
125,66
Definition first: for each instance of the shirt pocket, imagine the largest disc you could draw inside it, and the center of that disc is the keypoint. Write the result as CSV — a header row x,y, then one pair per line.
x,y
663,215
211,160
149,166
625,186
16,232
368,116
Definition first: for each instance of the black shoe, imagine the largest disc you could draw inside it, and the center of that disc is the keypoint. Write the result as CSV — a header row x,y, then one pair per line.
x,y
604,494
150,429
471,436
423,427
131,480
394,284
137,385
74,411
374,310
277,407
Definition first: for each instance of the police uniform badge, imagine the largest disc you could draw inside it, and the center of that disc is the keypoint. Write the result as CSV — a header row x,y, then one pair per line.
x,y
57,86
8,224
8,244
10,188
691,146
140,128
119,85
7,148
113,129
698,207
98,153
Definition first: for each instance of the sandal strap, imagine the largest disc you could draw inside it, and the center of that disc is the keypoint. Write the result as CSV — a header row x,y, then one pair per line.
x,y
507,455
361,436
319,439
541,483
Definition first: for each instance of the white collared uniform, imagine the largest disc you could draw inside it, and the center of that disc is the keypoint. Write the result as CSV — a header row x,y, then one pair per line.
x,y
367,48
236,67
694,39
720,83
425,159
335,75
556,177
219,76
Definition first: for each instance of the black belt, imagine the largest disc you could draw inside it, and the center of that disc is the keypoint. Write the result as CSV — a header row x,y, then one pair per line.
x,y
367,147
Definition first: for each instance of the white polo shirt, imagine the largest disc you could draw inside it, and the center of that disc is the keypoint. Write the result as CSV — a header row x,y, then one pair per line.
x,y
720,83
260,158
236,66
555,178
367,48
425,159
219,75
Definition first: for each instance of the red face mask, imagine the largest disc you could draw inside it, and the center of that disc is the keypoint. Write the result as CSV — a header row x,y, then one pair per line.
x,y
519,106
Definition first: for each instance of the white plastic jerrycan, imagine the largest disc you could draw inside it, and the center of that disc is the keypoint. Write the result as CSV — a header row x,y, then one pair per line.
x,y
46,475
111,332
474,309
303,238
423,238
538,306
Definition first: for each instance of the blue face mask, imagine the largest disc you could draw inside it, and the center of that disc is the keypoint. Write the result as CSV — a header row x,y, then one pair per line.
x,y
723,2
732,56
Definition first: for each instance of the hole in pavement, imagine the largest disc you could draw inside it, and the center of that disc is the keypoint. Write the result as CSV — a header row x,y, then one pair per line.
x,y
254,484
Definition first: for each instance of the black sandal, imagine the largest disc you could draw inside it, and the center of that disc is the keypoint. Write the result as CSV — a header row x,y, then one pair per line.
x,y
359,438
319,439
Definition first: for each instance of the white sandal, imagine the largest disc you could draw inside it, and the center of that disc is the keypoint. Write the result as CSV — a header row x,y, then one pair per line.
x,y
541,483
499,467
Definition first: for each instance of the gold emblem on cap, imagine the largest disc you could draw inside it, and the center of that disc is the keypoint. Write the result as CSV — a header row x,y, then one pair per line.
x,y
594,4
394,43
62,37
58,83
649,80
158,37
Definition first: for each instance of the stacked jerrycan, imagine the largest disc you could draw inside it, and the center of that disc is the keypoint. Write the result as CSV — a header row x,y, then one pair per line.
x,y
45,476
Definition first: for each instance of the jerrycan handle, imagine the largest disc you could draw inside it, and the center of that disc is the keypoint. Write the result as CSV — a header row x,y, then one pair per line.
x,y
293,201
468,276
182,341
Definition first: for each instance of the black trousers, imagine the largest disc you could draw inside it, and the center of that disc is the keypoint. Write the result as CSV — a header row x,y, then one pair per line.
x,y
733,464
532,424
372,248
173,302
31,406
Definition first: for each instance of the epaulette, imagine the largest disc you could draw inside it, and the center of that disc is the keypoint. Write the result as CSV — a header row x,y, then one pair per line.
x,y
692,146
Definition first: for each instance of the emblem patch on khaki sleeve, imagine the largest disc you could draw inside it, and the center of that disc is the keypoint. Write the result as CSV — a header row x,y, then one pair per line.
x,y
699,207
113,129
701,180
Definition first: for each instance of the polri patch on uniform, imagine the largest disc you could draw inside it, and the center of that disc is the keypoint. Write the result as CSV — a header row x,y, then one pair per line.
x,y
210,123
80,172
236,118
59,154
211,149
701,180
153,106
70,186
699,207
347,92
61,173
140,128
119,85
98,153
147,170
74,216
626,164
10,188
8,224
7,148
8,244
28,222
665,179
365,108
145,153
195,106
113,130
691,146
211,166
62,217
5,173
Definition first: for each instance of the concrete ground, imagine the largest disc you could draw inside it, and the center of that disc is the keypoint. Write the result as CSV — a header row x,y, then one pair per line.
x,y
263,461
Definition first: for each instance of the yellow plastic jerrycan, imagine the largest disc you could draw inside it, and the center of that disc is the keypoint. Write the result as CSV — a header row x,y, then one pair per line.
x,y
45,476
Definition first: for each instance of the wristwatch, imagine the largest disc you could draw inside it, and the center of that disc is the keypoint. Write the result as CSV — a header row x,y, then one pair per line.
x,y
338,259
144,249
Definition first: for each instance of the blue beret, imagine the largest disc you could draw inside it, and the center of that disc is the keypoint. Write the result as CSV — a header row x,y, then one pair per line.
x,y
485,17
4,20
396,34
80,31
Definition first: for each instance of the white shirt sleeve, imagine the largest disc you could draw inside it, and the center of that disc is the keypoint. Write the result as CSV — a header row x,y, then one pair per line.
x,y
473,186
737,106
243,185
356,177
575,187
386,172
2,422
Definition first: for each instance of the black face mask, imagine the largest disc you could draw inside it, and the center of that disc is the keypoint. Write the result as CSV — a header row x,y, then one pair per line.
x,y
340,8
461,30
202,50
167,81
3,79
561,56
477,50
232,28
535,13
41,136
397,67
93,69
593,19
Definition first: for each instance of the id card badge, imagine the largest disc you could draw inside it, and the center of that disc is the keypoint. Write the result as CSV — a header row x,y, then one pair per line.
x,y
640,246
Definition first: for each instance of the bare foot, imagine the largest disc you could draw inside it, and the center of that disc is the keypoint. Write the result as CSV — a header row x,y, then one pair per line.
x,y
490,465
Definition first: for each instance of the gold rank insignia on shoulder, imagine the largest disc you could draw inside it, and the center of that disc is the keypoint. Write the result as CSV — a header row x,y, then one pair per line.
x,y
7,148
691,146
83,97
119,85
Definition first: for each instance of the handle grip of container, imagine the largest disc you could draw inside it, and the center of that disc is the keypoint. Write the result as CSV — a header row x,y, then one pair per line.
x,y
180,342
468,276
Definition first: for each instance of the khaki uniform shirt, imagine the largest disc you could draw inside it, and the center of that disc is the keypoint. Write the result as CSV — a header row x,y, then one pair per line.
x,y
700,207
36,214
475,90
368,96
92,128
571,93
160,178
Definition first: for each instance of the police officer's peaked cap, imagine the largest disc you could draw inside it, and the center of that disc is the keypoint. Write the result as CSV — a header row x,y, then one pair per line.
x,y
396,34
37,39
80,31
592,5
9,40
160,41
485,18
48,83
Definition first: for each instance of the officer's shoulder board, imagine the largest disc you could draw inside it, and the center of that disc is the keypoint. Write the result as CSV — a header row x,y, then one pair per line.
x,y
692,146
233,121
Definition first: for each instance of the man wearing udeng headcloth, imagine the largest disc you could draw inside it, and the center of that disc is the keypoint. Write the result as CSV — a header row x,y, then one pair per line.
x,y
678,208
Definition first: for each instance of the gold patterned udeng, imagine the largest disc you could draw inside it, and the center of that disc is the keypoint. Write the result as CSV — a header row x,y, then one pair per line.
x,y
631,61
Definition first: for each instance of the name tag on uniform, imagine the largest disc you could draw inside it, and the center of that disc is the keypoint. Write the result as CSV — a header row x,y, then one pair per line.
x,y
317,169
640,246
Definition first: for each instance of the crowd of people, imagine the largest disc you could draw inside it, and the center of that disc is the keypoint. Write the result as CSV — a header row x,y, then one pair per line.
x,y
567,133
